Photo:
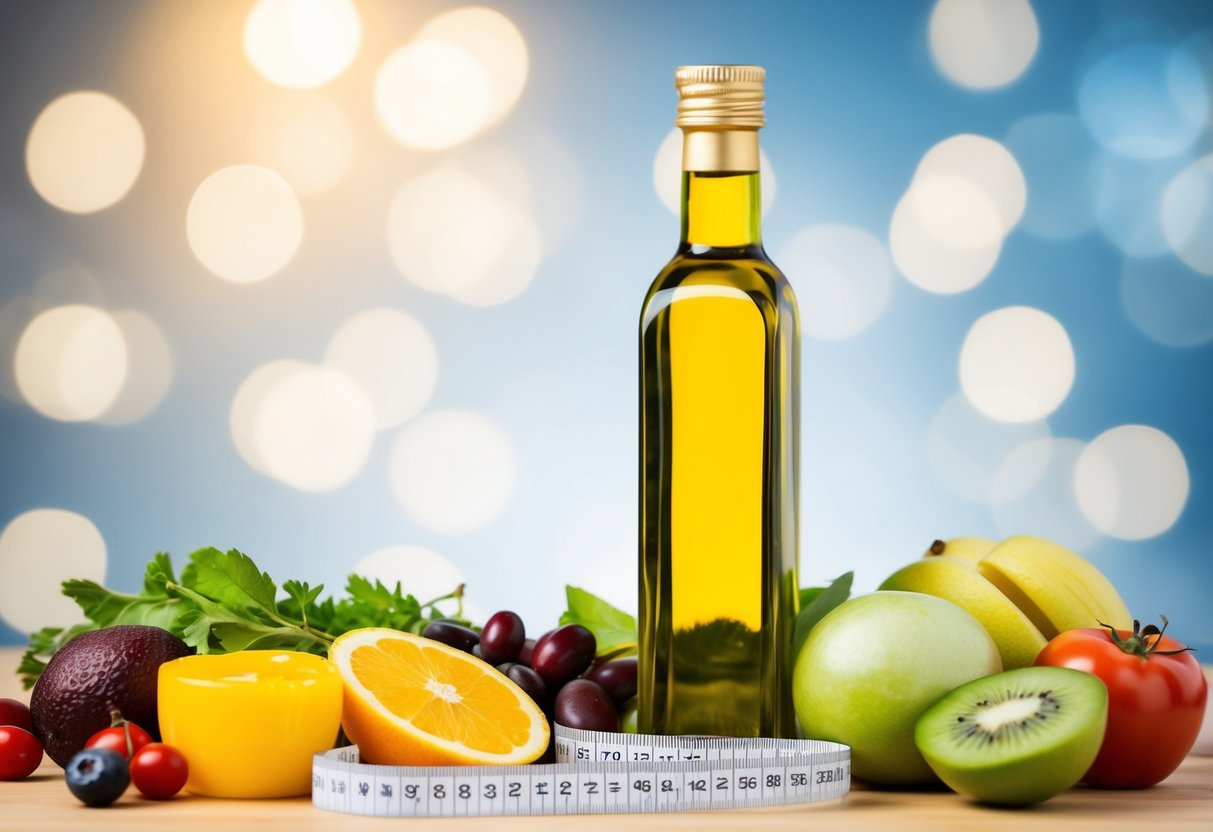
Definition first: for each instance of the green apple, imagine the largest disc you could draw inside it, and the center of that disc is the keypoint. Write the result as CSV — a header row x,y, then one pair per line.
x,y
870,668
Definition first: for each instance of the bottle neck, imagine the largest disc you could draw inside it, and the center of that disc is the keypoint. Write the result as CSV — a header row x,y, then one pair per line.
x,y
721,200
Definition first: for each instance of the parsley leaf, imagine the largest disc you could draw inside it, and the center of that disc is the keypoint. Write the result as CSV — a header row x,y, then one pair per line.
x,y
613,629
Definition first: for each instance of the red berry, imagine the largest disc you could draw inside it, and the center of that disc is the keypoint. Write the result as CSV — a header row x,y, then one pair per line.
x,y
16,713
20,753
159,771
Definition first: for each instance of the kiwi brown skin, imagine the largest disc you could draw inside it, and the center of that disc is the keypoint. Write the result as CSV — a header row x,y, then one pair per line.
x,y
114,668
1015,738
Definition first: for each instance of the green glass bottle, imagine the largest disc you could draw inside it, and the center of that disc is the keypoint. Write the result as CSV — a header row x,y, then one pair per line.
x,y
719,424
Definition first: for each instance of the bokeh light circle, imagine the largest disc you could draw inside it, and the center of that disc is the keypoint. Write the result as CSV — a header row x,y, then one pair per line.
x,y
1145,100
967,448
932,264
392,357
308,139
1187,215
38,551
71,363
453,471
1016,364
1033,493
432,95
149,373
450,232
1127,195
667,174
983,44
314,429
987,165
1132,482
495,42
844,279
244,223
1167,301
84,152
247,404
301,44
1054,151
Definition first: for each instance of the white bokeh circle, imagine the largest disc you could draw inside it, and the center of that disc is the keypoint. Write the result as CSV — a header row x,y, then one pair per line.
x,y
450,232
38,551
453,471
1132,482
932,264
302,44
71,363
983,44
990,167
1017,364
244,223
314,429
844,279
149,372
433,95
392,357
1187,215
84,152
494,40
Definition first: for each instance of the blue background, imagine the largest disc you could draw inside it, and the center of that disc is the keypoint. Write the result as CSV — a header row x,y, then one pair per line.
x,y
854,101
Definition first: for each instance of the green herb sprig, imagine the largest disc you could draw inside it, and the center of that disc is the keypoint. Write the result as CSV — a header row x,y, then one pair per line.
x,y
222,602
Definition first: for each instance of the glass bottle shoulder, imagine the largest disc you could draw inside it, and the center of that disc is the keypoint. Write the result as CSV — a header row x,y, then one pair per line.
x,y
695,272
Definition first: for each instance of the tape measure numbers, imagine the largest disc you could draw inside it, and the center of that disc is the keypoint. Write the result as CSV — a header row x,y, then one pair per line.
x,y
596,773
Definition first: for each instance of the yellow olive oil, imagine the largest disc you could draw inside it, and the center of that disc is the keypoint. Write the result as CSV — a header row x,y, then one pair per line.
x,y
719,370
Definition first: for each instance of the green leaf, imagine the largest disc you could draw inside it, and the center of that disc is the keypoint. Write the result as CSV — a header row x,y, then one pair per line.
x,y
809,594
158,575
612,627
232,579
829,598
105,608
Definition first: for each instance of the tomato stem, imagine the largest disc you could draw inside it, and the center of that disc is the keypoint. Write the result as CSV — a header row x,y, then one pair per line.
x,y
1144,640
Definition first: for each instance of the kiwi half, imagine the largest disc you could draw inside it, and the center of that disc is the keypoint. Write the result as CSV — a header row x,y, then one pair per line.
x,y
1018,737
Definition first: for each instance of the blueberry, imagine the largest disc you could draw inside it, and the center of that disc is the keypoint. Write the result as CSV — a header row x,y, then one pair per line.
x,y
98,776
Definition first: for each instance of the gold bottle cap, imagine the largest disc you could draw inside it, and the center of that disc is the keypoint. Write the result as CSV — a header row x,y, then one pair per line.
x,y
721,97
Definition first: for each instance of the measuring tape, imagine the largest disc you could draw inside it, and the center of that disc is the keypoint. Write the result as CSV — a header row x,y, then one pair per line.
x,y
596,773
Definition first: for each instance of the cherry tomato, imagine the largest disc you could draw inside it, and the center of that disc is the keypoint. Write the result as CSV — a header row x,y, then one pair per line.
x,y
115,738
159,771
16,713
20,753
1156,700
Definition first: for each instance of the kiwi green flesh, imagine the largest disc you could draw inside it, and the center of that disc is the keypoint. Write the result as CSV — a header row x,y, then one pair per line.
x,y
1018,737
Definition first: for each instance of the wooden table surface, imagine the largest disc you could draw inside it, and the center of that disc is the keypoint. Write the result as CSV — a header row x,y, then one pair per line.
x,y
1183,802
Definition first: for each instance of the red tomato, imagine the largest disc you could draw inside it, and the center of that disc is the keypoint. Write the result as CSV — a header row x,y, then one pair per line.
x,y
20,753
16,713
1156,700
159,771
115,738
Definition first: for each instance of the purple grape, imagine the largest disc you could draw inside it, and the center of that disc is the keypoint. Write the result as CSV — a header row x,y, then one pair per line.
x,y
563,654
617,677
531,683
524,655
584,704
452,635
502,637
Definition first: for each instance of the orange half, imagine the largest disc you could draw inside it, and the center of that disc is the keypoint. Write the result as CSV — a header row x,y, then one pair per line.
x,y
413,701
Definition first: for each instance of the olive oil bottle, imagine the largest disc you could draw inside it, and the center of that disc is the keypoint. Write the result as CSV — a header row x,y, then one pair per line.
x,y
719,427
